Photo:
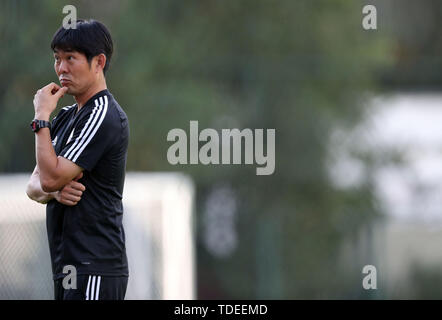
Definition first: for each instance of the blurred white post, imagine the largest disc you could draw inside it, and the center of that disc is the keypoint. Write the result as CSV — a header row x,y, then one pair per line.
x,y
159,236
158,221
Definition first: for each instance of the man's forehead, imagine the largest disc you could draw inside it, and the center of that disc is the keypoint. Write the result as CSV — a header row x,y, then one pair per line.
x,y
65,50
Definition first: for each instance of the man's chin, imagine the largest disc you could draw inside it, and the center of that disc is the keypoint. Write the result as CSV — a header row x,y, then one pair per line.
x,y
70,91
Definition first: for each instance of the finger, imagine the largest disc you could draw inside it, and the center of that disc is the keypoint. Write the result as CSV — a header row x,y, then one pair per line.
x,y
71,197
51,86
73,191
60,93
77,185
55,88
65,195
79,176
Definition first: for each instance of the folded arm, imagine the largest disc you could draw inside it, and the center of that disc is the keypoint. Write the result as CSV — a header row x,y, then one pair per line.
x,y
54,172
69,195
34,190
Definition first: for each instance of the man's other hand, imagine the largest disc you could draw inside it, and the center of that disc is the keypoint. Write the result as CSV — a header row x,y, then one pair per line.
x,y
71,193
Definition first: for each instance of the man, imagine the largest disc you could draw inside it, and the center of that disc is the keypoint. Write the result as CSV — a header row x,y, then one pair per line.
x,y
81,160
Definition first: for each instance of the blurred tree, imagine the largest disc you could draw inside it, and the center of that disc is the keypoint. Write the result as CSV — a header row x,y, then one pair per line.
x,y
300,67
415,33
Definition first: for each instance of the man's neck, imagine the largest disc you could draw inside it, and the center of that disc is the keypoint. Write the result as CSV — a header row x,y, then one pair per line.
x,y
84,97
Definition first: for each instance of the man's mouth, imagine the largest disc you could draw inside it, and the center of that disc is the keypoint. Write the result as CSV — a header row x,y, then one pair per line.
x,y
64,81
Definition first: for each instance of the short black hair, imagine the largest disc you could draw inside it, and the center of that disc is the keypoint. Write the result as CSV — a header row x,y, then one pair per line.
x,y
90,37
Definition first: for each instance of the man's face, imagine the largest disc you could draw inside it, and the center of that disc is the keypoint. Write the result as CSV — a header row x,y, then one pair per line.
x,y
73,71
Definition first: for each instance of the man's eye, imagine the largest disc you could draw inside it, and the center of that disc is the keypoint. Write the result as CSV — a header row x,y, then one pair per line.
x,y
70,57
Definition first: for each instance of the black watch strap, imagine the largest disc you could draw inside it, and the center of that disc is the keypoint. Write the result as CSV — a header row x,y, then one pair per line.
x,y
38,124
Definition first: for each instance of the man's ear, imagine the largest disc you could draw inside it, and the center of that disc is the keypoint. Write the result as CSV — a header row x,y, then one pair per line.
x,y
101,62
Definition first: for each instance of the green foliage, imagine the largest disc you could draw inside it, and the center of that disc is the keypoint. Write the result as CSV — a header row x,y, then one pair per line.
x,y
296,66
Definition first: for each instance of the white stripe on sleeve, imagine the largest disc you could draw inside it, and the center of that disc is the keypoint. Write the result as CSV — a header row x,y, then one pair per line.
x,y
87,288
90,123
84,145
97,293
68,107
93,287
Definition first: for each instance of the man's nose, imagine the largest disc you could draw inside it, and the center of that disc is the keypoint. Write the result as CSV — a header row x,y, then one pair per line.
x,y
62,67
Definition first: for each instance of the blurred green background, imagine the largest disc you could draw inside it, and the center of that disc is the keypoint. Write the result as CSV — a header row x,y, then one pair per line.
x,y
302,67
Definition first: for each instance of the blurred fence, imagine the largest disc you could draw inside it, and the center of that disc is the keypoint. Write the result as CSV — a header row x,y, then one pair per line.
x,y
402,136
158,222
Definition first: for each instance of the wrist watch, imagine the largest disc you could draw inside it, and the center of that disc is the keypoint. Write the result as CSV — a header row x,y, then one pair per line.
x,y
38,124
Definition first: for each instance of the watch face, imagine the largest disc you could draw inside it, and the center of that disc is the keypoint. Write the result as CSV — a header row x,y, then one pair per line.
x,y
34,125
38,124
